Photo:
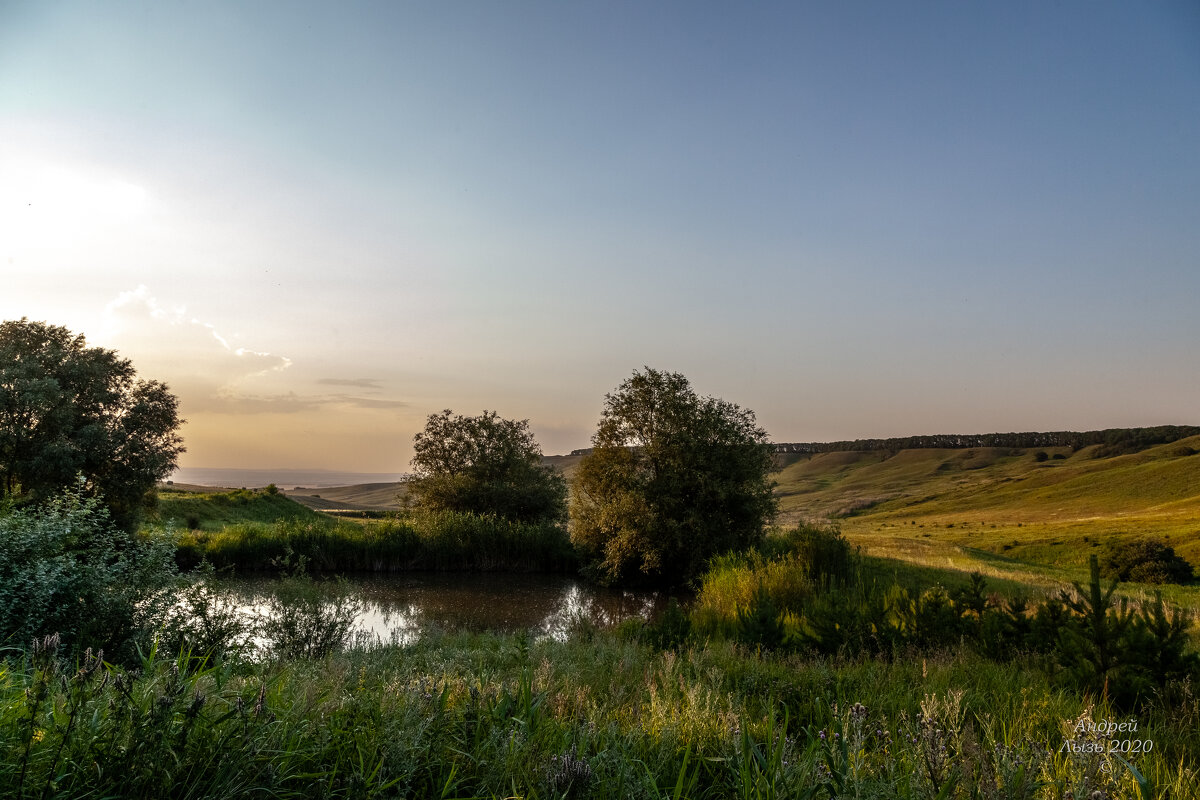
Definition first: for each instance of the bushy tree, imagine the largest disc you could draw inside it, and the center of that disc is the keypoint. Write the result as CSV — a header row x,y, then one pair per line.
x,y
672,480
485,465
67,409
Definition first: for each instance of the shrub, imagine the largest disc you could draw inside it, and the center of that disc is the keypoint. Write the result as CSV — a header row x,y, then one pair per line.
x,y
1144,561
822,552
205,624
759,623
309,619
66,569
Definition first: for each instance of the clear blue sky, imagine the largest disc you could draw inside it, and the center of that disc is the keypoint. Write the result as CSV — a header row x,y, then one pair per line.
x,y
321,222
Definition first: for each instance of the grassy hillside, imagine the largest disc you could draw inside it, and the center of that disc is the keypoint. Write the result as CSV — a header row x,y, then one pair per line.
x,y
1008,512
363,497
212,510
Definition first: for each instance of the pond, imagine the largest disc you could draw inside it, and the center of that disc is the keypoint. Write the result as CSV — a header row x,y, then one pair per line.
x,y
399,607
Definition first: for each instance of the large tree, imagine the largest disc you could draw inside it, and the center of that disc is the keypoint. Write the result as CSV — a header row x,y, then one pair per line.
x,y
67,409
485,465
671,480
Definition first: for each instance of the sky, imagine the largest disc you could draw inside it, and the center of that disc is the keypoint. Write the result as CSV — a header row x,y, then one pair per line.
x,y
320,223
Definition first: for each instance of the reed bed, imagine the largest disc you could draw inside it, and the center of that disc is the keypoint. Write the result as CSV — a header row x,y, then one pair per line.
x,y
418,541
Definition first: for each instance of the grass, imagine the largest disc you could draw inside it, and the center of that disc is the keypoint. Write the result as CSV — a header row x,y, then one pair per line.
x,y
1001,511
213,511
599,716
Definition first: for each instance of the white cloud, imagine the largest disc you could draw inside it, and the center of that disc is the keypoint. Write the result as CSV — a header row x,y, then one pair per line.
x,y
184,350
208,371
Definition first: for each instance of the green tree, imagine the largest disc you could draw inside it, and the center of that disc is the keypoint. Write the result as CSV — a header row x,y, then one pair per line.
x,y
1095,649
485,465
672,479
67,409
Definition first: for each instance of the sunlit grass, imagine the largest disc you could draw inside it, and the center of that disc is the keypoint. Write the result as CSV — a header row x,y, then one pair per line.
x,y
482,715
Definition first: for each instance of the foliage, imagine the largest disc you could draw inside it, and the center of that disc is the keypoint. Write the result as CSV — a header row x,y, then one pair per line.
x,y
443,540
68,409
672,479
759,623
205,624
66,570
308,618
821,550
1144,561
1111,441
484,465
1095,650
1087,641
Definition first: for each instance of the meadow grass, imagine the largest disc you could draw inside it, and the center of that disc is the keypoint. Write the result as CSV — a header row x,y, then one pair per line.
x,y
212,511
596,716
1003,513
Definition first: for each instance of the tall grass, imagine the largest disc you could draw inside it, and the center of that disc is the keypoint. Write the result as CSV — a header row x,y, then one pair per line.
x,y
421,541
502,716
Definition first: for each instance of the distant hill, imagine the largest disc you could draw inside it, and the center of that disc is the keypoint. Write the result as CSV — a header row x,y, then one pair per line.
x,y
1047,505
1111,441
360,497
283,478
384,496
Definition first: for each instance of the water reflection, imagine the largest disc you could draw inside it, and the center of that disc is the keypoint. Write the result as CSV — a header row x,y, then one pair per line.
x,y
399,607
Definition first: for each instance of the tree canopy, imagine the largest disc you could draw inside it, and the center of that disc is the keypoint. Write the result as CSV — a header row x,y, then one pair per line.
x,y
671,480
485,465
67,409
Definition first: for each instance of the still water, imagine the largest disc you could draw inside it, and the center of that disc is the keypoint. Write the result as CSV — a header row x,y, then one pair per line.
x,y
399,607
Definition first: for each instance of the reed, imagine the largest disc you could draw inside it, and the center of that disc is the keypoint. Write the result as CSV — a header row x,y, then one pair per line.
x,y
419,541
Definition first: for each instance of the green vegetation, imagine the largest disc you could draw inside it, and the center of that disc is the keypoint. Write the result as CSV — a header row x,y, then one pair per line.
x,y
604,716
1108,442
67,572
485,465
1000,511
793,599
212,511
1146,561
803,669
767,688
672,480
67,409
445,540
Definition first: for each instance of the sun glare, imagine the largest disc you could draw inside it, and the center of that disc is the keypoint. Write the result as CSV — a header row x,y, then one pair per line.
x,y
48,206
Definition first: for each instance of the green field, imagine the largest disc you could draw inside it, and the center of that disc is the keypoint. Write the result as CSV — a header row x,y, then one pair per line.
x,y
202,508
1001,510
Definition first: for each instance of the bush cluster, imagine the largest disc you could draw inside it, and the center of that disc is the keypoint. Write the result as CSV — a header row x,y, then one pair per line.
x,y
66,570
1145,561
